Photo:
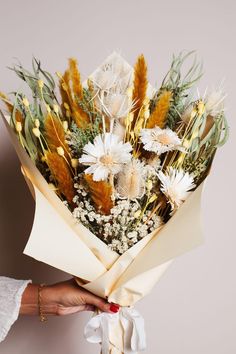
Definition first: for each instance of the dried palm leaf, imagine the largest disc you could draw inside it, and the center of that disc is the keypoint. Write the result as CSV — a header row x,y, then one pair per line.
x,y
159,114
100,193
61,172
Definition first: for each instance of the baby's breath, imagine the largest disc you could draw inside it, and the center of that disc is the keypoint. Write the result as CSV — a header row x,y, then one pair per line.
x,y
120,229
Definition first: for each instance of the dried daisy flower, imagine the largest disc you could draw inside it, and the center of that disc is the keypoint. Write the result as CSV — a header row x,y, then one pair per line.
x,y
130,181
176,185
106,156
160,140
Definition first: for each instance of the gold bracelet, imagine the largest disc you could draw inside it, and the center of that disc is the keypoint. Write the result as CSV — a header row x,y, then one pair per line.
x,y
42,316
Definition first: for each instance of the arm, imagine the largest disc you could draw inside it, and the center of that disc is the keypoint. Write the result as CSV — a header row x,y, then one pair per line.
x,y
21,297
62,299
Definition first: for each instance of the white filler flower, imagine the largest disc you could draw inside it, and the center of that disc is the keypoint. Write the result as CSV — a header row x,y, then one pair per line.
x,y
105,156
160,140
117,105
176,185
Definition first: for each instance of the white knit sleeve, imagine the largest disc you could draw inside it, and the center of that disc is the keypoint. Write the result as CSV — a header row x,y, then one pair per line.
x,y
11,291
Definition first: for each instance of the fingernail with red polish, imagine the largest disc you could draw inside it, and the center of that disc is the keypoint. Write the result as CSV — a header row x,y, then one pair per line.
x,y
114,308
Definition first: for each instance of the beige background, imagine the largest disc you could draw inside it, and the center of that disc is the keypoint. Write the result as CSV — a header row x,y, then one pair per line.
x,y
192,309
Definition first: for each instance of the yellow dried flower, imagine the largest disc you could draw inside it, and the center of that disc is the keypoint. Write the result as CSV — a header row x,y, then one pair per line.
x,y
65,125
74,163
36,132
55,108
25,102
48,108
37,123
40,84
18,127
146,114
60,151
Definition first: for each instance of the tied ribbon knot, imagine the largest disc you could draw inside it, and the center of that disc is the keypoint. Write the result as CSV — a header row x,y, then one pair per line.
x,y
100,327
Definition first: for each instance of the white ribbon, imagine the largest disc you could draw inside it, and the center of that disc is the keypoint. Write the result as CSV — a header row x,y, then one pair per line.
x,y
99,328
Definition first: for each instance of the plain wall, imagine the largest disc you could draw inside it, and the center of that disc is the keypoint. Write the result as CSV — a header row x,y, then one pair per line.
x,y
192,309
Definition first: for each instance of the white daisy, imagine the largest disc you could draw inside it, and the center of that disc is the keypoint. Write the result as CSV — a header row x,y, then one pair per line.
x,y
176,185
160,140
106,156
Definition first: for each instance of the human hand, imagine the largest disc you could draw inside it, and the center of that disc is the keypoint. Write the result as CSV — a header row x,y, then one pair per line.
x,y
62,299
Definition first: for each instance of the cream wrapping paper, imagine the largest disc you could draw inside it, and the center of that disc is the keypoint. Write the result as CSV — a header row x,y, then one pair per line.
x,y
121,279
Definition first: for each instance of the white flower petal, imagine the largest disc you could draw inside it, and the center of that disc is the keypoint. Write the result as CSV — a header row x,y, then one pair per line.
x,y
160,140
107,155
176,185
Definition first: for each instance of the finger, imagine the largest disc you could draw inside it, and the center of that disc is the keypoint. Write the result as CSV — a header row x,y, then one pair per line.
x,y
88,307
75,309
100,303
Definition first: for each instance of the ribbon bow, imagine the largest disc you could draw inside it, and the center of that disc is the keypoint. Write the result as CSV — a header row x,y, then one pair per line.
x,y
100,327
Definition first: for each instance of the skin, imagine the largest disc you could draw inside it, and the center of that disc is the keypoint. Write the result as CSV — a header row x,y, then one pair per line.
x,y
61,299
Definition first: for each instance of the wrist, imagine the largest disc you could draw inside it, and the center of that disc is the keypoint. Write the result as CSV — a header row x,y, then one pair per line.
x,y
30,301
48,303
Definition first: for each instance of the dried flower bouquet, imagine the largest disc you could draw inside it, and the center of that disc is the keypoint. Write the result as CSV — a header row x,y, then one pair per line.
x,y
122,157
